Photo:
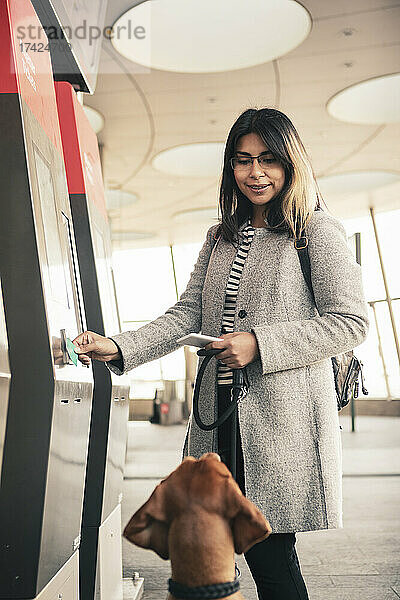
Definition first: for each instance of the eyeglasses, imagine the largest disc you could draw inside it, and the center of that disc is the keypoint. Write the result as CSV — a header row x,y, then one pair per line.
x,y
245,163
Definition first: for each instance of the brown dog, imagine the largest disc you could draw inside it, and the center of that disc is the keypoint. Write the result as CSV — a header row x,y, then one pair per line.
x,y
198,517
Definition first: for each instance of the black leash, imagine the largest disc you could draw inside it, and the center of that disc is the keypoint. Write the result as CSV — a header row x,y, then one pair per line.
x,y
240,388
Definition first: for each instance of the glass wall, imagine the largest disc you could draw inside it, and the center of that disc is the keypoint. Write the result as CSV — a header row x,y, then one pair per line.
x,y
150,271
378,352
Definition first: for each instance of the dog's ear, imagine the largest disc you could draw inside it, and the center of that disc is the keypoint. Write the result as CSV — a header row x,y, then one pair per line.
x,y
249,525
148,527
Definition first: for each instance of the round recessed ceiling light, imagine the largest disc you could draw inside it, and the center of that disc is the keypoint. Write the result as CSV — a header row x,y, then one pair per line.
x,y
191,160
373,101
196,215
188,36
95,118
118,198
356,181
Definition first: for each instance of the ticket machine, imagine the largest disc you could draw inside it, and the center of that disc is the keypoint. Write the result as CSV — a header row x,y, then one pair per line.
x,y
101,554
46,394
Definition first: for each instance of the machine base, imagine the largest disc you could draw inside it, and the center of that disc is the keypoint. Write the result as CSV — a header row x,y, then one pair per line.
x,y
109,558
65,584
133,588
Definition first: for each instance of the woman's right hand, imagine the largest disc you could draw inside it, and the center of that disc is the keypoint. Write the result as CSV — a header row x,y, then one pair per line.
x,y
90,345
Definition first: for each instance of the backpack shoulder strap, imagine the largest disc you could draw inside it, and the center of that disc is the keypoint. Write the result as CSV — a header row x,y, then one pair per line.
x,y
301,245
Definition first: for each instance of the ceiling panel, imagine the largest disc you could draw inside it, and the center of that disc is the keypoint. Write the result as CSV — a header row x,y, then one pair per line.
x,y
147,111
368,29
328,10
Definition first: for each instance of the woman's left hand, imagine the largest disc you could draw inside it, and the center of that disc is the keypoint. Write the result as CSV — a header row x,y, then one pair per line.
x,y
240,349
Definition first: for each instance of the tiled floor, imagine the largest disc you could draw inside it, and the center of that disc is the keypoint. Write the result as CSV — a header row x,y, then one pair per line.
x,y
359,562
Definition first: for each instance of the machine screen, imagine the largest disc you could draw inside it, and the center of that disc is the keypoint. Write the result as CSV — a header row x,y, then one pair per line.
x,y
57,275
65,312
105,284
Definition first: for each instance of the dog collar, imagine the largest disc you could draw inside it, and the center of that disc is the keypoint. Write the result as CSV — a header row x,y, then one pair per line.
x,y
203,592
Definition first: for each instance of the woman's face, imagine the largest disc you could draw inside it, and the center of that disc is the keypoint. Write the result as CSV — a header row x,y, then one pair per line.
x,y
259,185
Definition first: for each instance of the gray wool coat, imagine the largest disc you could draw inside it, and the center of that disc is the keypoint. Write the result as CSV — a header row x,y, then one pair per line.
x,y
288,422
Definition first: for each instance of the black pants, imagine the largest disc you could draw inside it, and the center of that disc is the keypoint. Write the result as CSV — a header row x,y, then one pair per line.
x,y
273,562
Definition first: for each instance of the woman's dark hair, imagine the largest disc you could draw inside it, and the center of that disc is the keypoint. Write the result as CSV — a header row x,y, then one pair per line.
x,y
293,206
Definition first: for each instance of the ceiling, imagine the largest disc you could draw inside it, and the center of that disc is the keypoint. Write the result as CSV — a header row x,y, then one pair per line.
x,y
147,111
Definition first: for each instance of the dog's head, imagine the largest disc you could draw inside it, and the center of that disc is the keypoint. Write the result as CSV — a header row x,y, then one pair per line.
x,y
206,482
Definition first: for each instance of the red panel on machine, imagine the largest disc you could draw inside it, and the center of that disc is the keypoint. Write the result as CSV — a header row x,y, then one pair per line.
x,y
81,151
24,70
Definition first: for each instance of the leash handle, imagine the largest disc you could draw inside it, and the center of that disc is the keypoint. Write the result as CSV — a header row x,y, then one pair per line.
x,y
211,352
239,389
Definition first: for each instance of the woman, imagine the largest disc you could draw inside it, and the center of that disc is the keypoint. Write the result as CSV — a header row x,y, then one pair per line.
x,y
247,287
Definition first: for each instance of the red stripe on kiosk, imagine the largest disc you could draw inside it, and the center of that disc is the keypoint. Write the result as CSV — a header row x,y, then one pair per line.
x,y
25,64
81,151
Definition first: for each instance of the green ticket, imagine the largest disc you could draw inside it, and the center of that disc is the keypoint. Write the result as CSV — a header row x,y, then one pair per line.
x,y
71,352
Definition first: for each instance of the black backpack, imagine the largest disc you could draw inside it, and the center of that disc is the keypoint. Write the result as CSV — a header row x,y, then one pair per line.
x,y
347,368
